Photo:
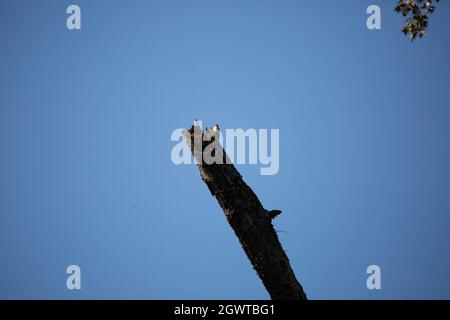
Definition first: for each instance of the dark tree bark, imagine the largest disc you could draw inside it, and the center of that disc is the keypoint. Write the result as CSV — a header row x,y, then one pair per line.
x,y
249,220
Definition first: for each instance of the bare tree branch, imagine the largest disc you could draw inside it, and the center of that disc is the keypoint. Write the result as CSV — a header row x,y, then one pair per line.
x,y
251,223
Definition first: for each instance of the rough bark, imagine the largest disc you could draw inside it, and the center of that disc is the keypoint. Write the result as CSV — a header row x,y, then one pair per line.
x,y
251,223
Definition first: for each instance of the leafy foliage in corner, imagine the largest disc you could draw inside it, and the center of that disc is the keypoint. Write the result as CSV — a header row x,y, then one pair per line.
x,y
418,12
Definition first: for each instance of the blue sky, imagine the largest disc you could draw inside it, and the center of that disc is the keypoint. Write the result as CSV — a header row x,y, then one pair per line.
x,y
86,175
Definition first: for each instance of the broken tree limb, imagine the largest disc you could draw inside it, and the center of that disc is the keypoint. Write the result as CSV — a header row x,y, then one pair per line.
x,y
244,212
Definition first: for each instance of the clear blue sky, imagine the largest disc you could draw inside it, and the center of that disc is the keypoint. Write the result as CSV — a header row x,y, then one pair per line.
x,y
85,170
